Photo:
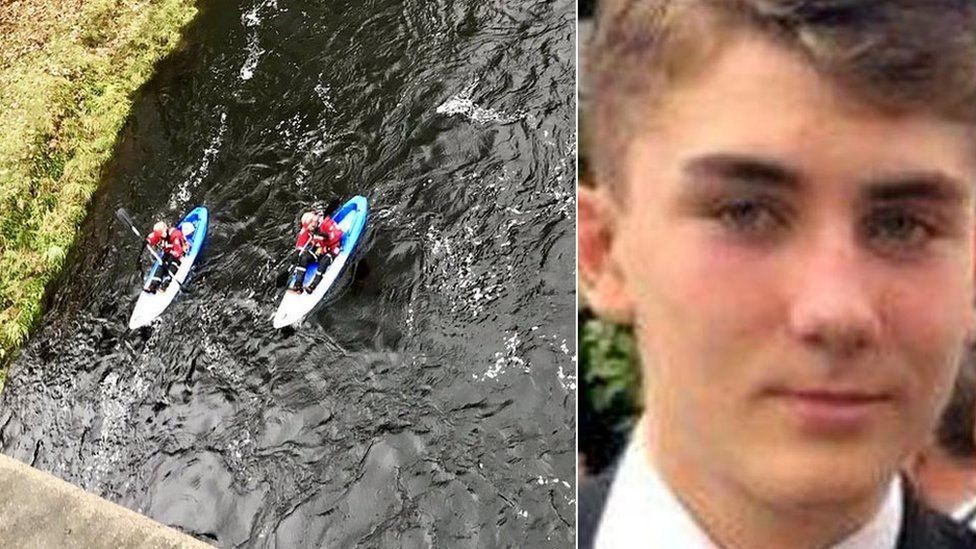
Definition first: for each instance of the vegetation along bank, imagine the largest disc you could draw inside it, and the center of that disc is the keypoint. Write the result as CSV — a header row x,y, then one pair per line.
x,y
68,73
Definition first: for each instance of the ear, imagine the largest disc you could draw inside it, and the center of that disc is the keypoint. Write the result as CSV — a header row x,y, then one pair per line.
x,y
601,276
915,465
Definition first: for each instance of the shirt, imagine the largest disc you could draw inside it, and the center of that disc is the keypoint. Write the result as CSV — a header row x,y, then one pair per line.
x,y
642,511
966,513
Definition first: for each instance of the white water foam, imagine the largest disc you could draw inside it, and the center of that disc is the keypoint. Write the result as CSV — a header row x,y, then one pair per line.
x,y
456,264
324,93
567,380
254,53
551,481
182,195
558,193
251,19
559,345
222,363
310,144
457,273
461,104
507,359
117,396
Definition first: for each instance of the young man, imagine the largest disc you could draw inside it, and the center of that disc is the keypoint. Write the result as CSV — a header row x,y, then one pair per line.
x,y
784,212
172,244
319,241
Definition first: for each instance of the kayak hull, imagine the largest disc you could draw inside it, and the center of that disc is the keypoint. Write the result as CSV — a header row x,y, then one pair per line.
x,y
351,218
150,306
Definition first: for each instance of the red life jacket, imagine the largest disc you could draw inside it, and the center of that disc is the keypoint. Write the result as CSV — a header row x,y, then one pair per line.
x,y
327,236
172,240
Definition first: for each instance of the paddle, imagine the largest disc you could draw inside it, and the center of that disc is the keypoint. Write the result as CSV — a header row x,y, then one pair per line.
x,y
292,269
127,220
332,206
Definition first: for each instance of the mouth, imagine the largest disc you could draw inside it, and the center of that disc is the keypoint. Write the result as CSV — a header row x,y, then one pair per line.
x,y
833,411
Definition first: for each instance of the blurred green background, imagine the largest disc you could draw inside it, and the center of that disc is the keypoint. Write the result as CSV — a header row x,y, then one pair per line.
x,y
609,393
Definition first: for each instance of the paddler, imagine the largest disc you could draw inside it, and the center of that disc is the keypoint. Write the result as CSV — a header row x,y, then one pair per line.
x,y
172,244
319,241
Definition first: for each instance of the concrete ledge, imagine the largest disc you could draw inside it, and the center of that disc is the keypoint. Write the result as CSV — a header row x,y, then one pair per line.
x,y
38,510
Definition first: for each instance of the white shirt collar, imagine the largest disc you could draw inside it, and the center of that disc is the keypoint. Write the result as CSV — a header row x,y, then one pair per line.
x,y
641,511
966,512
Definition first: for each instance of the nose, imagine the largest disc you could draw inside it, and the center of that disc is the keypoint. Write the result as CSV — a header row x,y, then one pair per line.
x,y
833,310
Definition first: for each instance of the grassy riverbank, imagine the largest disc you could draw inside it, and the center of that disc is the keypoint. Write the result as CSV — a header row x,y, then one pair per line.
x,y
68,71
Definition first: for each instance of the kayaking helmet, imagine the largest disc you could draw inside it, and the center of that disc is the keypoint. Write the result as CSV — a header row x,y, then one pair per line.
x,y
308,219
159,227
186,228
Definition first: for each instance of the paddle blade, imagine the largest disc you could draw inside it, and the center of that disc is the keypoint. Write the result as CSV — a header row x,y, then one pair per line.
x,y
332,206
127,220
123,216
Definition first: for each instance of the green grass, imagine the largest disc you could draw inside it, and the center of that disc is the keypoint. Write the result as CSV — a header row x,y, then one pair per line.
x,y
68,74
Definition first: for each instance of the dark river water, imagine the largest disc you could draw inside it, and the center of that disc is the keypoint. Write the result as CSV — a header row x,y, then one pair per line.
x,y
431,400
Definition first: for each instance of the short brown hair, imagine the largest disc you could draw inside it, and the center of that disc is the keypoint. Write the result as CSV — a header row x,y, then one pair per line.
x,y
899,55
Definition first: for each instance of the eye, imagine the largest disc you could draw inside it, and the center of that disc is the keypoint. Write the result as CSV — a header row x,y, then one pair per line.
x,y
748,217
897,230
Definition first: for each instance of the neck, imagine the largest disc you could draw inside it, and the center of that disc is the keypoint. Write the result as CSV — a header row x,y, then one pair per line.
x,y
735,518
946,482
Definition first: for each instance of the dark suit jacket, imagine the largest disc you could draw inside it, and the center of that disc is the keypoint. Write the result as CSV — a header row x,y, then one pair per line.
x,y
922,528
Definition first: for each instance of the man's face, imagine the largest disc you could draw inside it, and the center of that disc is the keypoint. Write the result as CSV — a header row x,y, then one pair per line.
x,y
799,272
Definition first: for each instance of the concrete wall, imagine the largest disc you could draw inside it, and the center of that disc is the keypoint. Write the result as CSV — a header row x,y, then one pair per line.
x,y
38,510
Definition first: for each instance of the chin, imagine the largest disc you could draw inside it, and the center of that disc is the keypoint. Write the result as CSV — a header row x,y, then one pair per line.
x,y
831,475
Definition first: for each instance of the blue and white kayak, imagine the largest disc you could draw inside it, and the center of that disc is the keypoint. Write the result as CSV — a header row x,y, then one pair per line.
x,y
351,218
150,305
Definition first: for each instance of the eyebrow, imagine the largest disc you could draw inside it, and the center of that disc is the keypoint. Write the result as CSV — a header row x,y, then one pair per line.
x,y
744,169
932,186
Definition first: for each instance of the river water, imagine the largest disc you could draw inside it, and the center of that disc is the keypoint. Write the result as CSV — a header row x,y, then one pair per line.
x,y
431,400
